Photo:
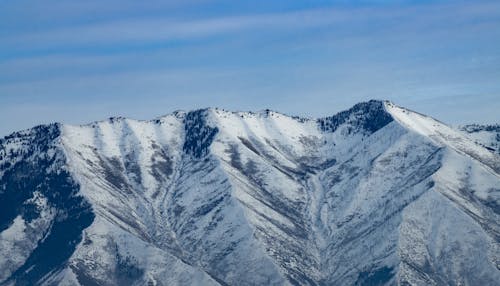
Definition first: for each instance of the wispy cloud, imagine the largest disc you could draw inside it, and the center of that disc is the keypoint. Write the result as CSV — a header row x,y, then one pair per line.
x,y
141,30
165,28
342,21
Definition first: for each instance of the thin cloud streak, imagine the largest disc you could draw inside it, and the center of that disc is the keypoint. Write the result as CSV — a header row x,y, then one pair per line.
x,y
406,35
164,29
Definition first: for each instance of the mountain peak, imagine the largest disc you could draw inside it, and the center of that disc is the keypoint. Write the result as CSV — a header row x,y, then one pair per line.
x,y
369,116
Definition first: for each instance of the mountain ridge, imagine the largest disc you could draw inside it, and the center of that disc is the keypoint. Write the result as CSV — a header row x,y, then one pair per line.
x,y
228,198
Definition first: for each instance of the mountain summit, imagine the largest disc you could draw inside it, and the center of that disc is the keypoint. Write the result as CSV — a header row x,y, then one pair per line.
x,y
374,195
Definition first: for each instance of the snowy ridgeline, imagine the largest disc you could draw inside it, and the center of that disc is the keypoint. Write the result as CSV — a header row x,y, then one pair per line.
x,y
486,135
375,195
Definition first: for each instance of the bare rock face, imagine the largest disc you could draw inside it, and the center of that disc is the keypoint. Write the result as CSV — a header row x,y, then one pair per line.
x,y
375,195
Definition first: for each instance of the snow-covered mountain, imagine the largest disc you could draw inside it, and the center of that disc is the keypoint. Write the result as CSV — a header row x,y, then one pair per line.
x,y
485,135
375,195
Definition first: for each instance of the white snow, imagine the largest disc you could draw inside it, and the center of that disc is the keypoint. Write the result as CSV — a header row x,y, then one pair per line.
x,y
278,199
21,238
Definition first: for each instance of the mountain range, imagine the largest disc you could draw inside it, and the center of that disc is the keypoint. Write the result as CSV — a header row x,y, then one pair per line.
x,y
374,195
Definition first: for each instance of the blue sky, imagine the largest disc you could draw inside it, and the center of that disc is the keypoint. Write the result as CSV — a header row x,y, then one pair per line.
x,y
80,61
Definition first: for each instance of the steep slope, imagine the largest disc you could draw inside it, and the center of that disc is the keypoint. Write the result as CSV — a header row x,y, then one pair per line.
x,y
42,217
375,195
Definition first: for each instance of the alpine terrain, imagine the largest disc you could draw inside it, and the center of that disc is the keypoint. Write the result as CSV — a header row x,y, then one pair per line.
x,y
375,195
